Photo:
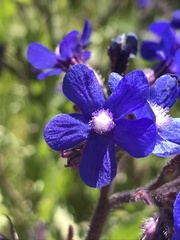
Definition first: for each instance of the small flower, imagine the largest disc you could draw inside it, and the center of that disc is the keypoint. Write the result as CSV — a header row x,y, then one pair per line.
x,y
70,51
102,123
163,95
176,235
165,50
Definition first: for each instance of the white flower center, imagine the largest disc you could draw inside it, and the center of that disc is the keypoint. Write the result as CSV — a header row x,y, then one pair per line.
x,y
102,121
162,115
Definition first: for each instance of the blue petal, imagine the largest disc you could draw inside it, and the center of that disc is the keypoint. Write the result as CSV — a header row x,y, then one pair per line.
x,y
177,213
175,21
164,91
145,112
84,40
171,131
98,162
149,50
159,28
137,137
165,148
114,79
86,55
81,86
67,45
82,55
174,67
168,43
41,57
49,73
130,94
65,131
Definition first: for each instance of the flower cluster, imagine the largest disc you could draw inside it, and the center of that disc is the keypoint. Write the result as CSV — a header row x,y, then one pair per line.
x,y
130,115
134,117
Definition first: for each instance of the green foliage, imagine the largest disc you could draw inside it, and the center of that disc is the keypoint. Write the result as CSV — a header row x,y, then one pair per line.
x,y
34,185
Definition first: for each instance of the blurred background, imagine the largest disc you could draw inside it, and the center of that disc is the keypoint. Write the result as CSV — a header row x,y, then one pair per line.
x,y
37,192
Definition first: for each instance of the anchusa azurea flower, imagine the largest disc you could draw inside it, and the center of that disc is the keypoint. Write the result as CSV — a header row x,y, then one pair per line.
x,y
166,49
163,95
70,51
102,123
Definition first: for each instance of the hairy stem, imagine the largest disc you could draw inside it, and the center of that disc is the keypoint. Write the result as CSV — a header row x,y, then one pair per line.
x,y
100,215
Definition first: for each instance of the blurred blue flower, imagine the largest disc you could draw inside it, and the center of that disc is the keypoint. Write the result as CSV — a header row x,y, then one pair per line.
x,y
103,123
176,235
165,50
163,95
143,3
70,51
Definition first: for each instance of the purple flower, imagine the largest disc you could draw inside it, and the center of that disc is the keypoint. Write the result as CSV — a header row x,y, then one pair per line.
x,y
163,95
103,123
176,235
70,51
165,50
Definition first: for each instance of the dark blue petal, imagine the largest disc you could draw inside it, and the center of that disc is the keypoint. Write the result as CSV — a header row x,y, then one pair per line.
x,y
49,73
149,50
81,86
86,55
164,91
84,40
137,137
130,94
98,162
168,43
41,57
67,45
145,112
165,148
177,217
65,131
81,54
174,67
159,28
114,79
175,21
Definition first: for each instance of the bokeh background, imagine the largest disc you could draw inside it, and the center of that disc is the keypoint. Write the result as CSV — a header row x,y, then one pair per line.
x,y
37,192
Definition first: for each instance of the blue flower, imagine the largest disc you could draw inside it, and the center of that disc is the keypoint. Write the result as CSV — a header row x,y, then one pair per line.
x,y
166,50
163,95
176,235
103,123
70,51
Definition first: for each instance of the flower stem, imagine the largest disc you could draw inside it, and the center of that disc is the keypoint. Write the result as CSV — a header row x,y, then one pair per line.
x,y
100,215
